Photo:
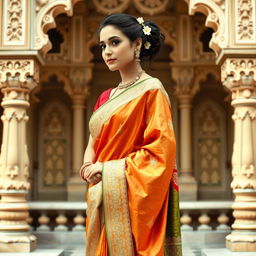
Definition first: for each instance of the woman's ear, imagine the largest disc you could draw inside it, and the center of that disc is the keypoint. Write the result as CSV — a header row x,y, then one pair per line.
x,y
138,42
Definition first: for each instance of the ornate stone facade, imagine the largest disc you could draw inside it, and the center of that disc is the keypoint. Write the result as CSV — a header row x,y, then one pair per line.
x,y
80,77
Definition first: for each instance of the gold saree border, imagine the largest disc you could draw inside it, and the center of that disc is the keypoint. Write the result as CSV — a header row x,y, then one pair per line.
x,y
107,109
94,214
116,209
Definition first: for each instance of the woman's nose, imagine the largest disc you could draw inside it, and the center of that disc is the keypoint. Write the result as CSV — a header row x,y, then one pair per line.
x,y
108,50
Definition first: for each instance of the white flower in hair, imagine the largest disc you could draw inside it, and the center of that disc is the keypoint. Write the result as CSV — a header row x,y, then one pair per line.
x,y
147,45
140,20
147,30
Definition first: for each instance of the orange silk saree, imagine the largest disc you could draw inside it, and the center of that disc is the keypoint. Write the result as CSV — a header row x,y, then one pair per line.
x,y
129,209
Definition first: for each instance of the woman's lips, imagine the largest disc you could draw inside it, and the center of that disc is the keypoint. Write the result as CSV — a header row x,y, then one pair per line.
x,y
109,61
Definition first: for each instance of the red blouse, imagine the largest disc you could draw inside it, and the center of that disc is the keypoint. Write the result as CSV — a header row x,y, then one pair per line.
x,y
102,99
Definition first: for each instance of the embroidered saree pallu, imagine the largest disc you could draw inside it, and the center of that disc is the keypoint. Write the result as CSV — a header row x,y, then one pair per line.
x,y
134,210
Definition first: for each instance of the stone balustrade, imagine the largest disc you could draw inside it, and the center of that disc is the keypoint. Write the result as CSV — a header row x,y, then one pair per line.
x,y
70,216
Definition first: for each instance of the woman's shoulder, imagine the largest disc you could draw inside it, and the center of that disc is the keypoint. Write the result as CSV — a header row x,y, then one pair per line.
x,y
104,96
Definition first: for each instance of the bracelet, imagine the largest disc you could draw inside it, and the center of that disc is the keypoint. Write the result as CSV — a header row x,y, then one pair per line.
x,y
82,169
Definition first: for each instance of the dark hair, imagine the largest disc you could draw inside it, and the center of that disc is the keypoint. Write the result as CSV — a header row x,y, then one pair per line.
x,y
129,26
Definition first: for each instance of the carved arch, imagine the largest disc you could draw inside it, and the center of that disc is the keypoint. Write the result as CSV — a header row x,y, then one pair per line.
x,y
92,42
61,74
214,10
201,75
171,42
46,12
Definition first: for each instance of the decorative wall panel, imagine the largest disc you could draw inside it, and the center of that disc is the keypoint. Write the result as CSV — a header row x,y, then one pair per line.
x,y
209,146
245,21
53,147
14,23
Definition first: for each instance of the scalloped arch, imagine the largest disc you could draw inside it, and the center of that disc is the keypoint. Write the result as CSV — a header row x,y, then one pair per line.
x,y
88,53
45,20
171,42
202,76
62,76
214,10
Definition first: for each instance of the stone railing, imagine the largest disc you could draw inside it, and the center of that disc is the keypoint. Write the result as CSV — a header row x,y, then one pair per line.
x,y
70,216
206,215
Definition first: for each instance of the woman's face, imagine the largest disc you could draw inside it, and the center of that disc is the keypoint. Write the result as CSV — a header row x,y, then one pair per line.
x,y
117,50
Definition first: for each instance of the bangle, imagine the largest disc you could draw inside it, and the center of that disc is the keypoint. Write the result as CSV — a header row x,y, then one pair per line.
x,y
82,169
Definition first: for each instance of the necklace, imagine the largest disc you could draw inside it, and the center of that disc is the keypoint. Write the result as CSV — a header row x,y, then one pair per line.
x,y
126,85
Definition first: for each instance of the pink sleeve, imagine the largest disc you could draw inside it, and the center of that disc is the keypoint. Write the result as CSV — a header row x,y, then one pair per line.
x,y
102,99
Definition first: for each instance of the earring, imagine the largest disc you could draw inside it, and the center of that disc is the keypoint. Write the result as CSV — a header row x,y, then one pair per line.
x,y
137,55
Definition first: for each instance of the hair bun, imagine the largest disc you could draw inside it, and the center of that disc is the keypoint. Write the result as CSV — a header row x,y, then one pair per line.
x,y
155,39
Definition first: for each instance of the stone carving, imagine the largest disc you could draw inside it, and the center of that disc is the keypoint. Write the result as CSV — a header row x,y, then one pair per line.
x,y
151,7
111,6
64,54
209,143
184,77
198,53
238,68
239,75
91,38
23,68
40,4
214,10
244,20
45,20
17,79
168,27
15,22
80,77
54,141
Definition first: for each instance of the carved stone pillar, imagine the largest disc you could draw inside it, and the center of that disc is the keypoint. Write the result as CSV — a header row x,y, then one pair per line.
x,y
17,79
239,75
184,92
78,91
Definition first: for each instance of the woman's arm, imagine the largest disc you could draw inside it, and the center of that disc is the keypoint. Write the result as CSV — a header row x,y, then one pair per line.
x,y
89,153
89,171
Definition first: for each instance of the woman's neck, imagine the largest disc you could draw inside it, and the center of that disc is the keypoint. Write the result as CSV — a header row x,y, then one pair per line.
x,y
130,72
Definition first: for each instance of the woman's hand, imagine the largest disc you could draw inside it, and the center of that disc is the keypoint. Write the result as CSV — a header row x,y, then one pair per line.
x,y
93,173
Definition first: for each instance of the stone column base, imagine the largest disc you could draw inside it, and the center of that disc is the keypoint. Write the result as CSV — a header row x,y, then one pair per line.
x,y
77,189
17,243
241,242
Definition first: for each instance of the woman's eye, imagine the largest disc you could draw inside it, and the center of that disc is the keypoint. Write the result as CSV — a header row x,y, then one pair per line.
x,y
102,46
115,42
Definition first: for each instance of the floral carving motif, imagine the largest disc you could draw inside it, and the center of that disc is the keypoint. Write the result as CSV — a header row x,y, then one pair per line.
x,y
151,7
245,20
111,6
14,26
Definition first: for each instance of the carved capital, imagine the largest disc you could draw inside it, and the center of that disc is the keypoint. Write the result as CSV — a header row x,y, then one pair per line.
x,y
184,77
236,68
22,68
239,76
78,88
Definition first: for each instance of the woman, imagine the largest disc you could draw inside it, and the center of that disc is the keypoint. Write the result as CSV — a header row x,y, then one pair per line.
x,y
129,161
